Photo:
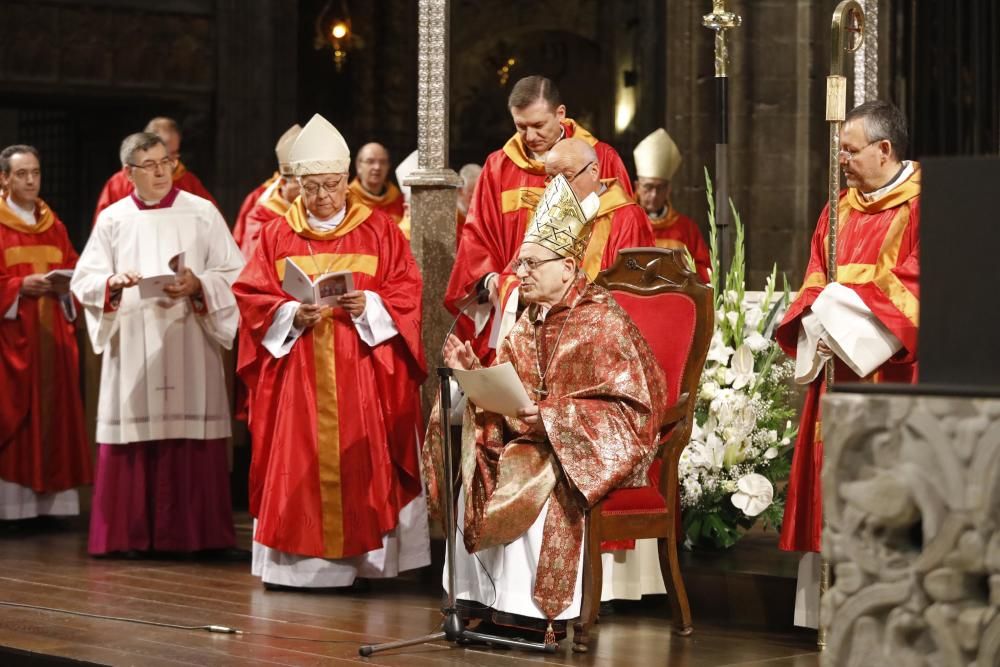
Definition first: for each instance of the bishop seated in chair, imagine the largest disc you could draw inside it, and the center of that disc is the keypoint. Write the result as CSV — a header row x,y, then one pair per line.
x,y
527,481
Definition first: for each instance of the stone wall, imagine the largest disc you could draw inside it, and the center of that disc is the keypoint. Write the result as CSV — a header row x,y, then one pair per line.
x,y
912,505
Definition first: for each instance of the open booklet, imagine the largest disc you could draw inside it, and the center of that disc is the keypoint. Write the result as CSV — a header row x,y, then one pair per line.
x,y
151,287
325,290
495,389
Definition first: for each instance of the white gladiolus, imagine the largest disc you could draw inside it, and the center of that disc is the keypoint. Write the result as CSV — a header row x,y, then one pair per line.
x,y
741,373
719,352
756,342
754,494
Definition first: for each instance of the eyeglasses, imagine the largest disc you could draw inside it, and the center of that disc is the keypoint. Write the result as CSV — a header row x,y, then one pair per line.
x,y
151,166
529,264
847,156
312,189
548,179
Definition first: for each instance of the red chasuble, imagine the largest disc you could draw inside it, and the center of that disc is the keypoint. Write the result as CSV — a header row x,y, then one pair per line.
x,y
119,187
676,230
248,204
43,443
334,422
877,257
262,212
507,191
389,202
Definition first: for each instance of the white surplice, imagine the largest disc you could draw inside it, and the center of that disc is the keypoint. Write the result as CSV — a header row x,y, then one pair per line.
x,y
161,375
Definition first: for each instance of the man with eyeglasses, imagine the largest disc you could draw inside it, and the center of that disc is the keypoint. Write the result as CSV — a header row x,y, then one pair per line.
x,y
335,409
507,191
163,410
44,454
529,479
620,223
656,161
372,186
867,320
120,186
270,199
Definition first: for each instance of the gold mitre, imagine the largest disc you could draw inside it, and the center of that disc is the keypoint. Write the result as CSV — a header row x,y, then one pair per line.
x,y
319,149
657,156
284,147
561,222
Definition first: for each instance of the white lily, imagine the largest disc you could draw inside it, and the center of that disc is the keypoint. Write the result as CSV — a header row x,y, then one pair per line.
x,y
754,494
741,373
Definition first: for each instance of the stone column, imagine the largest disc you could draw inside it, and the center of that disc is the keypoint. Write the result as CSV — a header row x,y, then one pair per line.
x,y
434,195
912,504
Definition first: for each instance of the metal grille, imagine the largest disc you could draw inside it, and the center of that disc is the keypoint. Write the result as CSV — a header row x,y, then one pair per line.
x,y
947,66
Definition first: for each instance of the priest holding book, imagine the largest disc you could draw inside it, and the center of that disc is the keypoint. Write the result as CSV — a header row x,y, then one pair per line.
x,y
335,419
163,412
44,454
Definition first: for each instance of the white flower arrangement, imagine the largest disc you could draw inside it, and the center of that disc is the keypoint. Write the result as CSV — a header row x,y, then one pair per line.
x,y
743,432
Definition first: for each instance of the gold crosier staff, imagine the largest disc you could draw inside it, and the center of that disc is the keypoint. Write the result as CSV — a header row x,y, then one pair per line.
x,y
848,29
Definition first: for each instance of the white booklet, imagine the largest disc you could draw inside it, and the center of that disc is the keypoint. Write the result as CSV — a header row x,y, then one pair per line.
x,y
495,389
59,276
326,290
152,287
59,279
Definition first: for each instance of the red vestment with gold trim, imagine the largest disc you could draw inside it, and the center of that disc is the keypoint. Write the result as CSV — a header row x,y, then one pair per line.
x,y
878,245
334,422
43,442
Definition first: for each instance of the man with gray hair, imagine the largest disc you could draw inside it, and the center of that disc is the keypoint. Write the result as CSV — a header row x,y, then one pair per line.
x,y
469,174
867,320
120,186
154,281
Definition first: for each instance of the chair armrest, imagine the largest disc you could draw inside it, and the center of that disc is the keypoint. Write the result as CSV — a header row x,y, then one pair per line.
x,y
677,411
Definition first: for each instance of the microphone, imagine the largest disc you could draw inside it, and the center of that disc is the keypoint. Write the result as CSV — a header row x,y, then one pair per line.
x,y
482,295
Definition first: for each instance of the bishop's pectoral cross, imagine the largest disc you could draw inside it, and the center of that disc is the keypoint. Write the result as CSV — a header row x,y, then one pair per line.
x,y
540,392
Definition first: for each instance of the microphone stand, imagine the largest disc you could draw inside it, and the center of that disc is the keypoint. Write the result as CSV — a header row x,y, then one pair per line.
x,y
453,628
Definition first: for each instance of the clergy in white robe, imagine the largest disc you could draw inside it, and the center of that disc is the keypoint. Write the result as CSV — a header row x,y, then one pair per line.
x,y
162,481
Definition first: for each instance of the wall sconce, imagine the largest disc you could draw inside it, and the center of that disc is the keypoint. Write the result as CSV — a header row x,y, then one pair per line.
x,y
333,29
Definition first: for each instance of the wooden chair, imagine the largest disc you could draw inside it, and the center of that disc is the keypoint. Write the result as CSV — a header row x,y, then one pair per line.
x,y
674,311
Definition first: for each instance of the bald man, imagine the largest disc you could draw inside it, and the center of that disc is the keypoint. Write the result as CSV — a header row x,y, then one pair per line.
x,y
620,222
119,186
371,186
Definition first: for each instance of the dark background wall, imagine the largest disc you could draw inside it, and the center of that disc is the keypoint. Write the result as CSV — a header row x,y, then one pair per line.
x,y
76,76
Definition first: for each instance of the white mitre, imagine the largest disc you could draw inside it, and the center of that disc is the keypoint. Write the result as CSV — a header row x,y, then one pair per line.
x,y
284,147
403,171
657,156
319,149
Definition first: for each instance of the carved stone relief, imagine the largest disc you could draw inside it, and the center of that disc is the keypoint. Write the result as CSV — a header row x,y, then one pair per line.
x,y
912,506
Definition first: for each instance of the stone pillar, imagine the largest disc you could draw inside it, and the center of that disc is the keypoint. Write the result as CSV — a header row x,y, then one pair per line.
x,y
434,195
912,505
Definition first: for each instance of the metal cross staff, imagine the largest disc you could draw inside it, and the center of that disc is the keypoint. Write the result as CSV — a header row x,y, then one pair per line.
x,y
848,30
721,20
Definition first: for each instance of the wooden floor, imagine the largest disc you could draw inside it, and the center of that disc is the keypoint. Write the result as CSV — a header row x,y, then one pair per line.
x,y
47,566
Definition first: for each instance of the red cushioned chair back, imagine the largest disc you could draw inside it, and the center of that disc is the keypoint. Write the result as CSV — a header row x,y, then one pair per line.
x,y
672,308
667,321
